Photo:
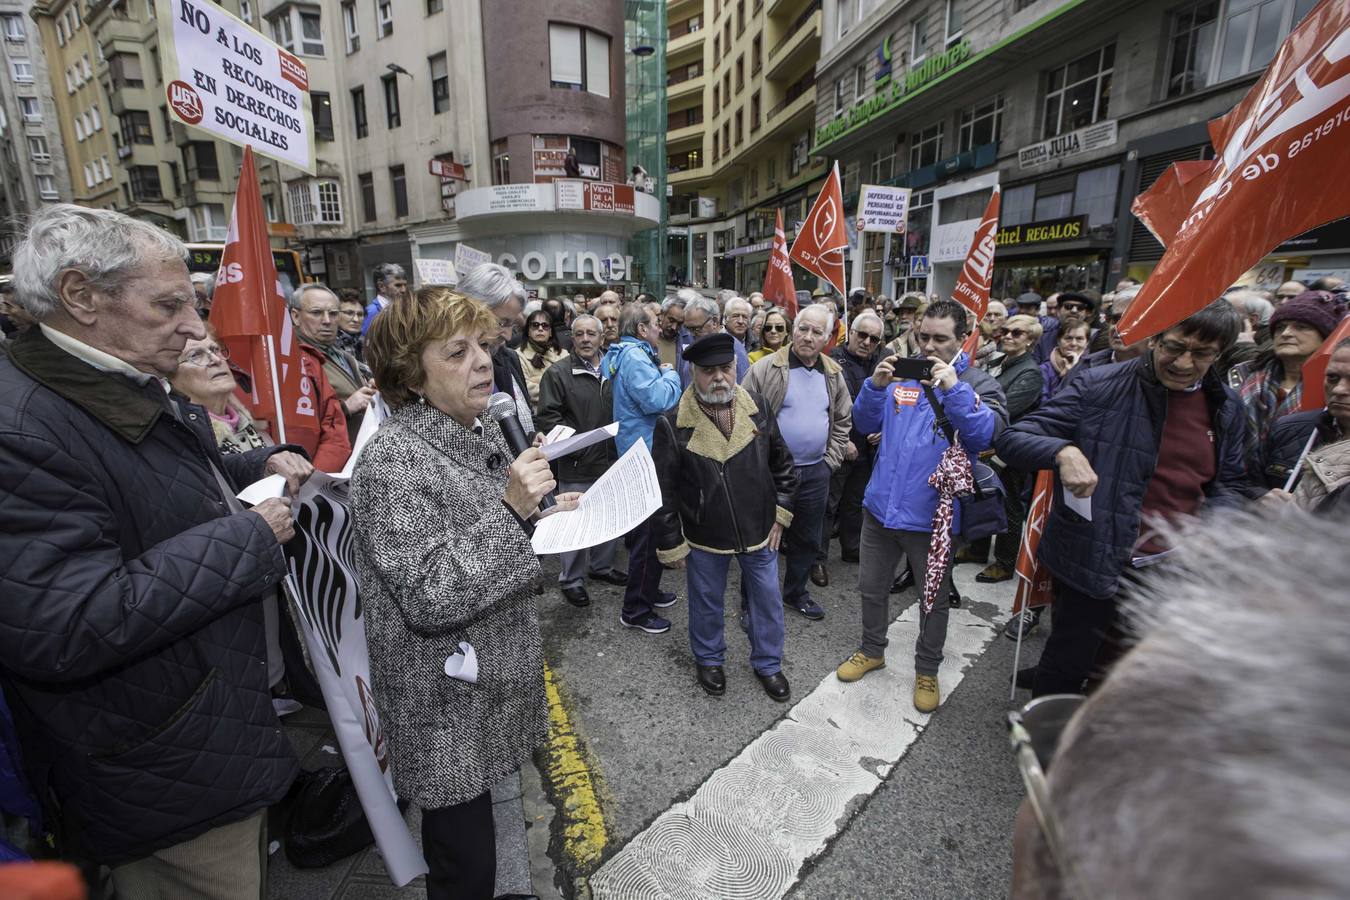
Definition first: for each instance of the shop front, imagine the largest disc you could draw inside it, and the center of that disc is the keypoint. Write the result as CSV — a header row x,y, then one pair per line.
x,y
1049,256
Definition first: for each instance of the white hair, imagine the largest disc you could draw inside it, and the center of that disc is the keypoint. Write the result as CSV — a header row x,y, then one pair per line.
x,y
599,326
531,308
708,306
868,315
1214,759
1252,303
491,284
108,247
688,295
826,307
737,302
297,298
672,300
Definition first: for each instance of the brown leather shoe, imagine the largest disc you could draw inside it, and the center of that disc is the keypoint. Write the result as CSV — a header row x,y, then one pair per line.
x,y
820,576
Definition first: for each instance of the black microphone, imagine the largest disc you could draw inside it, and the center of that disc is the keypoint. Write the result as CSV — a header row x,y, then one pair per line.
x,y
502,409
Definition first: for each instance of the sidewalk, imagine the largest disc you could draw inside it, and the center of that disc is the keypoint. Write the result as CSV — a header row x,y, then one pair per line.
x,y
362,876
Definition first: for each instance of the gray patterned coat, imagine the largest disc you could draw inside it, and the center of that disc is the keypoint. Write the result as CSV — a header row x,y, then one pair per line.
x,y
442,560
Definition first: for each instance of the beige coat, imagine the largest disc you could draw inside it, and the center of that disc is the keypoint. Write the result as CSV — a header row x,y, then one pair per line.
x,y
769,379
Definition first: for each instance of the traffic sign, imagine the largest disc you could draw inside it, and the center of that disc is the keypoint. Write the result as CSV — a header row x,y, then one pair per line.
x,y
919,267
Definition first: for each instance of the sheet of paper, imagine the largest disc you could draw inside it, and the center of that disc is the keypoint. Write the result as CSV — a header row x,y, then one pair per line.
x,y
559,433
581,442
620,501
1080,505
376,413
464,664
265,489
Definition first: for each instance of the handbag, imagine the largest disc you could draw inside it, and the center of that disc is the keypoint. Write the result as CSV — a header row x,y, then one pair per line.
x,y
983,513
326,823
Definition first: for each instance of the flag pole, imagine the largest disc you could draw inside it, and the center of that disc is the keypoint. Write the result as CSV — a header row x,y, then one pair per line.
x,y
276,388
1307,448
1017,657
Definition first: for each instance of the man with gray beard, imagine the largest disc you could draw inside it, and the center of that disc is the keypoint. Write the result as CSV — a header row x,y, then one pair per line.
x,y
728,486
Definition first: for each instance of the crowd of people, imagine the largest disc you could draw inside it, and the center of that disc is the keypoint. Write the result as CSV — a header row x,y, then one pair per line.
x,y
142,605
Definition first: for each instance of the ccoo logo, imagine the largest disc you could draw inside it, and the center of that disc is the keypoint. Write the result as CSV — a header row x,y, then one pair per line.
x,y
824,223
185,102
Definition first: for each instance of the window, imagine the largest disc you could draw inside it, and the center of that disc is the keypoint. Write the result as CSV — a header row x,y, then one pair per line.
x,y
330,202
756,53
918,44
103,164
435,6
349,26
717,49
578,59
270,208
398,180
840,98
199,161
1094,195
38,150
740,73
1213,41
883,164
23,70
754,112
501,163
96,117
85,70
88,176
304,23
393,117
851,171
70,82
726,88
1018,205
726,137
955,21
321,104
47,187
79,129
847,10
14,28
740,17
367,182
245,10
740,133
359,112
1078,94
88,124
30,109
135,127
164,120
717,147
717,98
315,202
980,125
384,17
860,80
145,183
125,69
1053,206
209,223
440,84
926,147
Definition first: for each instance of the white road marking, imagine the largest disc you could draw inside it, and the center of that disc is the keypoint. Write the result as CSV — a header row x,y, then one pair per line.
x,y
751,826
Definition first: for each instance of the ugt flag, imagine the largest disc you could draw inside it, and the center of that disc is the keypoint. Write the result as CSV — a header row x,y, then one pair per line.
x,y
1033,580
972,286
1281,155
248,312
778,288
821,240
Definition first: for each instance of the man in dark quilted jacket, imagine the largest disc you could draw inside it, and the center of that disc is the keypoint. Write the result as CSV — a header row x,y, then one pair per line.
x,y
132,650
1155,439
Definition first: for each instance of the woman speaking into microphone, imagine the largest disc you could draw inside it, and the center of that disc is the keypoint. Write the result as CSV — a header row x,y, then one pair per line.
x,y
447,573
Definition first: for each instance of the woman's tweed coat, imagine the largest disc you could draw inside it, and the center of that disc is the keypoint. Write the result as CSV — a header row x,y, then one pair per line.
x,y
442,560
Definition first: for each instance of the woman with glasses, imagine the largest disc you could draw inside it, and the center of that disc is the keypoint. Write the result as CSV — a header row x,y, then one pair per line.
x,y
204,377
774,334
540,349
1070,345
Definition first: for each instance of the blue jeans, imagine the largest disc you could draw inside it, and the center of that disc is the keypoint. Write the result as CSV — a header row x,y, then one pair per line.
x,y
707,573
801,541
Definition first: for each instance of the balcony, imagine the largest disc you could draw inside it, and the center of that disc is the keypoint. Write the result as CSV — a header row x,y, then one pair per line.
x,y
782,9
686,134
799,46
677,47
686,86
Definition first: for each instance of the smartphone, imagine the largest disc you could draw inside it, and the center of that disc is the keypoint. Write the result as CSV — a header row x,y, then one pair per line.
x,y
913,368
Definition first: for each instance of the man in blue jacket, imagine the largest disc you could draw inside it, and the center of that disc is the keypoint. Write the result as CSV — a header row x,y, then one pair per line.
x,y
643,390
1157,438
899,502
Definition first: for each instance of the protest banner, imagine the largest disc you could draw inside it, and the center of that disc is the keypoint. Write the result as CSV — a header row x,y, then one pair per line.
x,y
778,288
822,238
972,285
467,258
222,76
883,209
1273,177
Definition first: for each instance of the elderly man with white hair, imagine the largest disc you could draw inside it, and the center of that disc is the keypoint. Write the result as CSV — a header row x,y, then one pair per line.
x,y
493,285
703,316
132,628
314,311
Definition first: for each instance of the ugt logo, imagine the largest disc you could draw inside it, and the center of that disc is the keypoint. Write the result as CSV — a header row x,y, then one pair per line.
x,y
185,102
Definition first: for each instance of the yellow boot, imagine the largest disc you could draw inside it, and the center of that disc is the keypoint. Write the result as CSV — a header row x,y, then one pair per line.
x,y
926,696
858,665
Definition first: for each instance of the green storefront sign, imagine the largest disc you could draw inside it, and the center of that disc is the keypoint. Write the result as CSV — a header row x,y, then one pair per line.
x,y
930,71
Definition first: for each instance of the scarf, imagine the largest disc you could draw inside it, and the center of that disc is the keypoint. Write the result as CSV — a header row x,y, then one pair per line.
x,y
951,478
235,432
1264,402
722,416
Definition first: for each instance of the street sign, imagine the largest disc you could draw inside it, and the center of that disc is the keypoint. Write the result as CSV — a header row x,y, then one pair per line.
x,y
919,267
444,168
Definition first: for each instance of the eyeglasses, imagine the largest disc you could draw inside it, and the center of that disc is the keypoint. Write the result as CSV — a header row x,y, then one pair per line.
x,y
542,326
1074,307
1176,350
202,356
710,322
868,338
1013,332
775,328
352,313
1034,733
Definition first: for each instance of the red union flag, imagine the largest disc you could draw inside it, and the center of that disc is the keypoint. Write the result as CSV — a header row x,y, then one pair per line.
x,y
1274,178
1168,201
821,240
1315,369
249,316
1033,581
778,288
972,286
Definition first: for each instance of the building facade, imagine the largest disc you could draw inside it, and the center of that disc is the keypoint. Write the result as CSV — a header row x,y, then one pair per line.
x,y
32,154
1073,107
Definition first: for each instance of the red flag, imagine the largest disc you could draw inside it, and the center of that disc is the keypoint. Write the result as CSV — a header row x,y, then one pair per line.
x,y
1315,369
778,287
1168,201
248,313
821,240
1033,581
972,286
1274,178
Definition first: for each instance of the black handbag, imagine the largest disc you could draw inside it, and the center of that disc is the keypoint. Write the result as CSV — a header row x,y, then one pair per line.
x,y
326,823
983,513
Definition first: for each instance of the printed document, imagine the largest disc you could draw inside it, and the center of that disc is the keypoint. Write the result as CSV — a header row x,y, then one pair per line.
x,y
623,498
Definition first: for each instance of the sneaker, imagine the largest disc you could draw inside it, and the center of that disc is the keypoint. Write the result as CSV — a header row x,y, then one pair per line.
x,y
994,573
807,607
858,665
926,696
664,599
1022,624
649,622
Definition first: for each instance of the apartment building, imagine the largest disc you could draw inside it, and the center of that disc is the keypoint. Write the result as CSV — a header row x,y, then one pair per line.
x,y
1072,106
32,158
741,95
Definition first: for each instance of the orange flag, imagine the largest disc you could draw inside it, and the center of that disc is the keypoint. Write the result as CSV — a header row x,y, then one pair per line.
x,y
821,240
1315,369
972,286
778,287
1033,581
248,313
1168,201
1274,178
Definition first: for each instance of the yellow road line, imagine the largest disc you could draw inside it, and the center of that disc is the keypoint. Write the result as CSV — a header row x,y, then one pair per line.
x,y
575,788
